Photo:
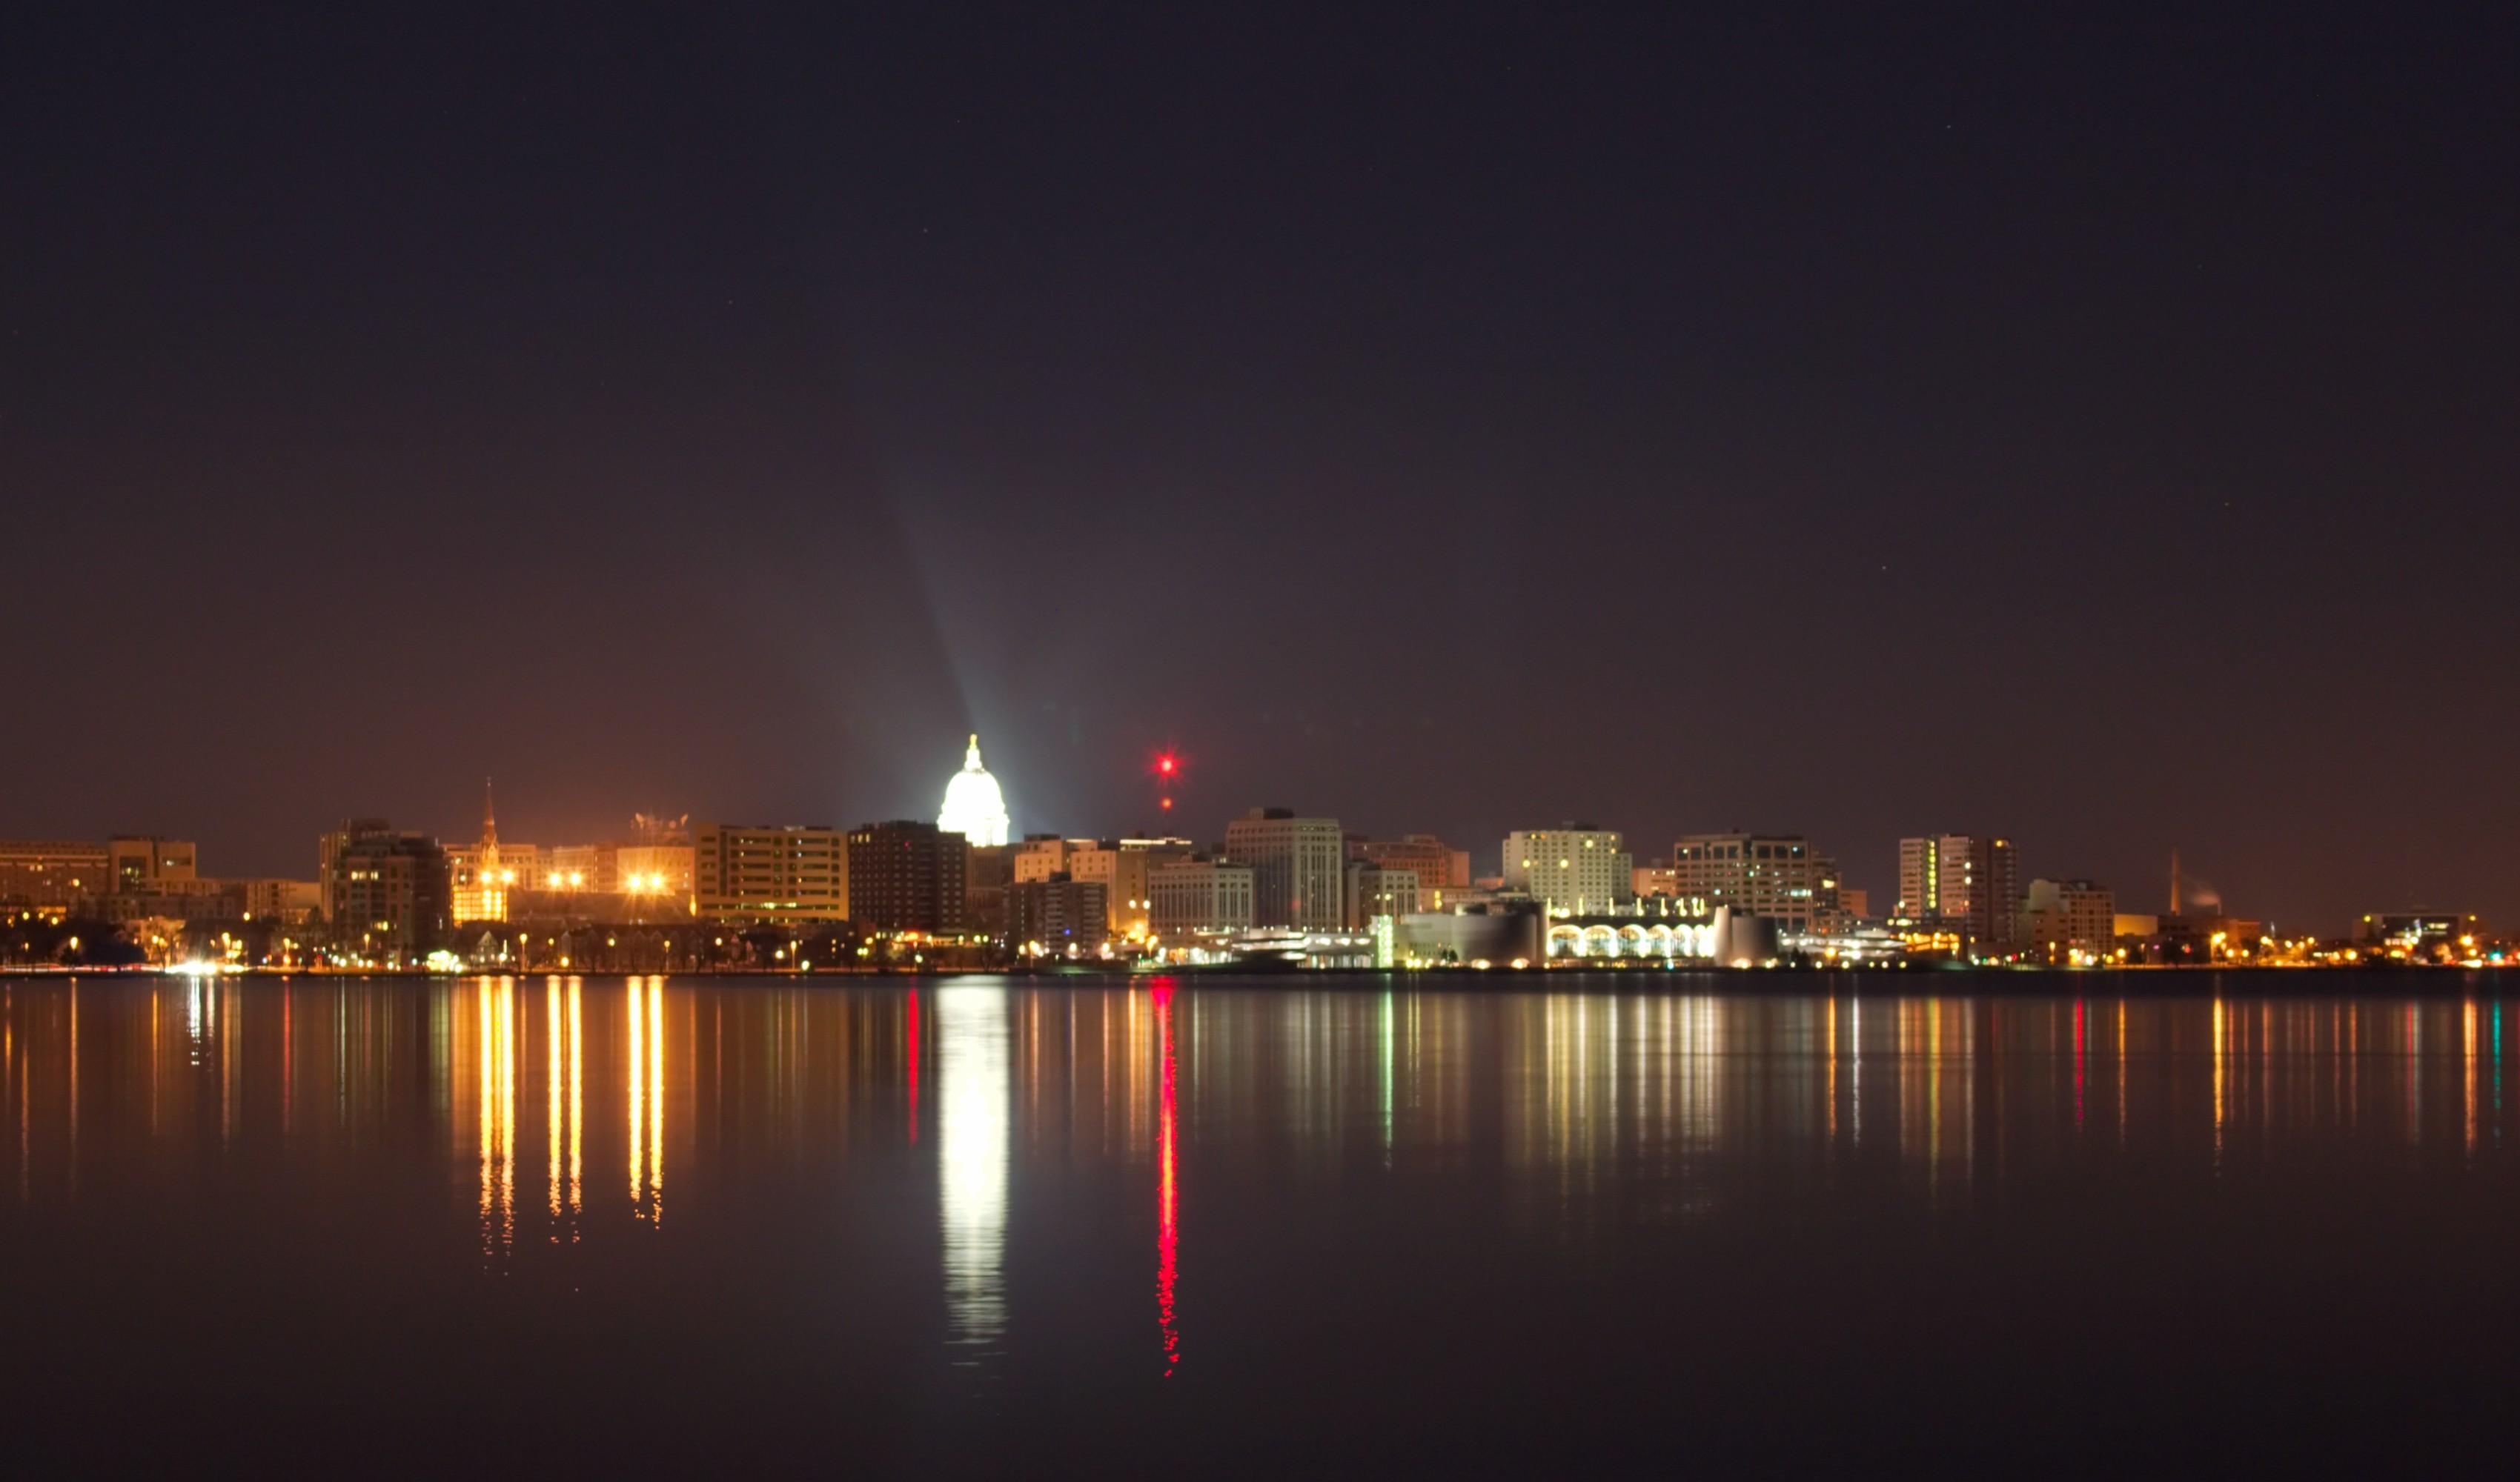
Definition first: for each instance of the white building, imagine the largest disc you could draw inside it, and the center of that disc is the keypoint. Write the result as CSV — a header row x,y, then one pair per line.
x,y
1578,870
1295,866
974,807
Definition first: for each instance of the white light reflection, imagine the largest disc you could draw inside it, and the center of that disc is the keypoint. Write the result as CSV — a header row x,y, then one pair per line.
x,y
973,1102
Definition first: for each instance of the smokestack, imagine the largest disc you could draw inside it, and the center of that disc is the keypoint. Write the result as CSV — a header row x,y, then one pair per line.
x,y
2174,883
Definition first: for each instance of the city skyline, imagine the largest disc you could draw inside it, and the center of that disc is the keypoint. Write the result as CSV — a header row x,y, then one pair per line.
x,y
2137,891
2090,427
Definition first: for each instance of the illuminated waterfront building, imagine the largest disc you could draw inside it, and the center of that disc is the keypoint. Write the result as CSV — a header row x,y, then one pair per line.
x,y
386,893
792,874
582,867
1295,866
1060,917
906,876
1578,869
1776,876
50,876
1120,866
974,806
1200,897
1966,881
2063,917
1379,890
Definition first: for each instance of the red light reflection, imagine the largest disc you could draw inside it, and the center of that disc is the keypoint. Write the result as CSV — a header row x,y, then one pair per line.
x,y
1167,1228
914,1064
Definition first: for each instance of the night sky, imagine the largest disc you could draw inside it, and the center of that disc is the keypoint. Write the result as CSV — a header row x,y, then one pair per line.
x,y
2094,424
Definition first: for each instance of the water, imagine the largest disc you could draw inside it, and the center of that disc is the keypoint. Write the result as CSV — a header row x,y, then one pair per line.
x,y
1271,1227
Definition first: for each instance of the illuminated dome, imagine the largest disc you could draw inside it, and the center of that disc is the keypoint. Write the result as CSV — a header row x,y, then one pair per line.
x,y
974,808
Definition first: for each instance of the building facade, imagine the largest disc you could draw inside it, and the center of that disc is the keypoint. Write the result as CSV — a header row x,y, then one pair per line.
x,y
2063,917
387,894
137,863
906,876
1578,869
1437,864
1780,876
1379,890
1061,917
50,878
1200,897
1968,881
1295,866
790,873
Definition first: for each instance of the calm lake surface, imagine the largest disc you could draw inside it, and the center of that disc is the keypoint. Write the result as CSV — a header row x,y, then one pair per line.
x,y
1206,1225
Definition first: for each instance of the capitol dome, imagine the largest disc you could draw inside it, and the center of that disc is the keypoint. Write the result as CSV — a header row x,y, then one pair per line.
x,y
974,808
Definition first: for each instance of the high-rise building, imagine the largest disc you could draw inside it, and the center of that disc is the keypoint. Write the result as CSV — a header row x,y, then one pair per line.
x,y
1294,867
1651,881
1578,870
2063,916
906,876
1776,876
1968,881
1200,897
1061,917
1379,890
792,874
974,806
1437,865
387,894
51,876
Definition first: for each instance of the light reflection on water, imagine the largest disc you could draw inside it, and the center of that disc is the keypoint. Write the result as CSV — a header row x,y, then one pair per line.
x,y
1567,1087
989,1154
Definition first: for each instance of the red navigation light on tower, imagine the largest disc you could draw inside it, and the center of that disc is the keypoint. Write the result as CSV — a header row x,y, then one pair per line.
x,y
1167,769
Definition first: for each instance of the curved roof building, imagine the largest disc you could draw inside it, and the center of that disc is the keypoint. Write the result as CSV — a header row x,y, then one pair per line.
x,y
974,808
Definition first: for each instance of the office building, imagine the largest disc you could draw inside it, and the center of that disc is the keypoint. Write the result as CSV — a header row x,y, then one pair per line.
x,y
1373,890
1578,870
137,862
289,902
1200,897
1777,877
1059,916
2063,917
1295,866
988,876
50,878
1436,864
1965,881
909,877
1120,866
387,895
790,873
